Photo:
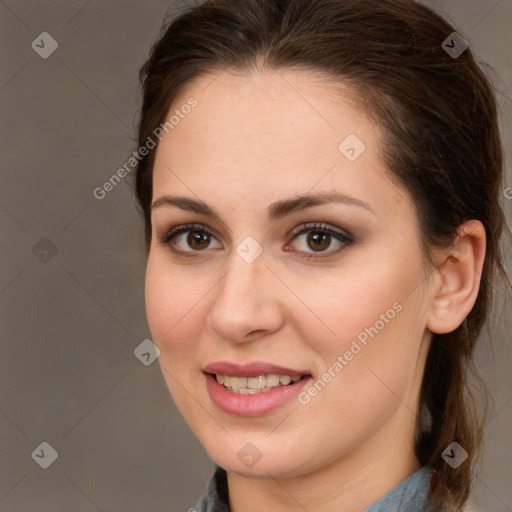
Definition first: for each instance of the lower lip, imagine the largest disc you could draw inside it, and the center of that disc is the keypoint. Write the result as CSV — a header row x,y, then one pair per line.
x,y
252,405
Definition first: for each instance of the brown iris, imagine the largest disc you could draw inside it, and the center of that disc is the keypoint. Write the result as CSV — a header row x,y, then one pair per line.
x,y
320,240
198,240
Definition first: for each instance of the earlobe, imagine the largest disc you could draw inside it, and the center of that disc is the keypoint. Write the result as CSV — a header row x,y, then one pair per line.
x,y
459,273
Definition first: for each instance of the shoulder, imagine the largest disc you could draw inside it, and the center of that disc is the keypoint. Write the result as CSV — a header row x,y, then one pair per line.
x,y
215,496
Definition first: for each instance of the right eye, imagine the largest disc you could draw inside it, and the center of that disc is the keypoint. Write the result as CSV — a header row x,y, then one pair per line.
x,y
195,236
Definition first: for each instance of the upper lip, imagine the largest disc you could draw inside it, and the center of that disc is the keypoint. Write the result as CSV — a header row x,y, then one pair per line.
x,y
250,369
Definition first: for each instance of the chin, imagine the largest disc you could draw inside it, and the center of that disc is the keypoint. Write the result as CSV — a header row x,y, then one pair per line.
x,y
249,463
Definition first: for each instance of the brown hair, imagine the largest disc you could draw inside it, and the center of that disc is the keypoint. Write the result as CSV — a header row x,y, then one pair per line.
x,y
443,145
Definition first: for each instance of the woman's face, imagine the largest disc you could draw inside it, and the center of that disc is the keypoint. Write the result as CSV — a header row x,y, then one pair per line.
x,y
333,290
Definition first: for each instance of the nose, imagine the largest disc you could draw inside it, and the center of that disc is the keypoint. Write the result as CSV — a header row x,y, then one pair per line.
x,y
247,304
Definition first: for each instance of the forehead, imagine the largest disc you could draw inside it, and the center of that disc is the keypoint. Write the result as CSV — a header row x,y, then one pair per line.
x,y
264,133
276,100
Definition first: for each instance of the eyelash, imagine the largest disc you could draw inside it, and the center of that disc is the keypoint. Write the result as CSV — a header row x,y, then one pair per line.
x,y
345,238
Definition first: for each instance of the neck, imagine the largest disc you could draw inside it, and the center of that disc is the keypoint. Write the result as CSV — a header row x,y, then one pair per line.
x,y
350,483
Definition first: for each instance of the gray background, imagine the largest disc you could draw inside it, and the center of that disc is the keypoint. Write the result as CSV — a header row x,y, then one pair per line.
x,y
71,320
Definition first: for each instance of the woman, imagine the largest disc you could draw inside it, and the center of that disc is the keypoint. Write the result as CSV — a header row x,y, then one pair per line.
x,y
322,223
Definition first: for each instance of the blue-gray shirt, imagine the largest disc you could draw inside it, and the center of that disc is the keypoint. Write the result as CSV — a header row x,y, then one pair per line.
x,y
410,495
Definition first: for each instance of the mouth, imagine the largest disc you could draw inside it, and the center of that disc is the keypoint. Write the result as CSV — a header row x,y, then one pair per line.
x,y
255,385
253,389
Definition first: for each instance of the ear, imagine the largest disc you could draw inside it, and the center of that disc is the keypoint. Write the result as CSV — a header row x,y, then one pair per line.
x,y
459,271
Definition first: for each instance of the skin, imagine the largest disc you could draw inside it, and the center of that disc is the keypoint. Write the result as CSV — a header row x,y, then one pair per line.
x,y
254,139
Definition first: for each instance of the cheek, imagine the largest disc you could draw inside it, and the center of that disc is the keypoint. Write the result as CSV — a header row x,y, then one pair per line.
x,y
173,309
358,306
372,357
374,323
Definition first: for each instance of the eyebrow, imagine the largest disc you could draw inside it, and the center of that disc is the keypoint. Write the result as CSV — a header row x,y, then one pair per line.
x,y
276,210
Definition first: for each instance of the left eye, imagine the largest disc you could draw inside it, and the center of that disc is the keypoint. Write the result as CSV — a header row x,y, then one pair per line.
x,y
320,237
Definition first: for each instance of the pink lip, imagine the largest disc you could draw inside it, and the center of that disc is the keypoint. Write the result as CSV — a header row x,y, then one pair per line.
x,y
259,403
251,369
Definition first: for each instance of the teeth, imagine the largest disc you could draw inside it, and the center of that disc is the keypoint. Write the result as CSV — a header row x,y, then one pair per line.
x,y
255,385
238,382
256,382
272,380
